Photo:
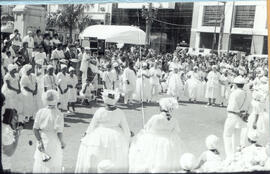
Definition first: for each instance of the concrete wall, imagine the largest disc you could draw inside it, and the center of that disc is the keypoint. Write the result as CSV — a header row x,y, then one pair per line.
x,y
258,31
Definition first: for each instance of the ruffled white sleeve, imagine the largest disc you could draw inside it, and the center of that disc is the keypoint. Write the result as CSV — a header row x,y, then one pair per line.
x,y
94,121
7,136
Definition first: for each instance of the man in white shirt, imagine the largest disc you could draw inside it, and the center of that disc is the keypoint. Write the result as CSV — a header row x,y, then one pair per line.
x,y
29,38
57,55
129,82
239,100
108,78
85,63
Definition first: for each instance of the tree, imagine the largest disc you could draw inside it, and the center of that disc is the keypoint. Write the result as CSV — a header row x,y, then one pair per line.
x,y
69,17
85,22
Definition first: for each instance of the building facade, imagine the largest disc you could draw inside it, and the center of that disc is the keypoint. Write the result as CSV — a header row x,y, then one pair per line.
x,y
245,26
172,24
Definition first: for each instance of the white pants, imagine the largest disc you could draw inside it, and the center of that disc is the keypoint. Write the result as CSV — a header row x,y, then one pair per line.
x,y
231,124
84,77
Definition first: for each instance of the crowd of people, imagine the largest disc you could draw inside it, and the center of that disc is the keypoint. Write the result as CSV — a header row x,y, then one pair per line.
x,y
43,79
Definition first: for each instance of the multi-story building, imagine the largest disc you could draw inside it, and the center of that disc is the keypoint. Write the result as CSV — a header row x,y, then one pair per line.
x,y
245,26
172,24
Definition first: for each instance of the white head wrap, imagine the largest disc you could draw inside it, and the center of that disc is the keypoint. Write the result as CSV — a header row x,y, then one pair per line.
x,y
26,68
71,69
211,142
187,161
105,166
63,66
239,80
49,67
50,97
110,97
168,104
253,135
11,67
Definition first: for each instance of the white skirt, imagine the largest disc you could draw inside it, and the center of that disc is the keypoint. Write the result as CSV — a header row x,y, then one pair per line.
x,y
103,144
72,95
155,152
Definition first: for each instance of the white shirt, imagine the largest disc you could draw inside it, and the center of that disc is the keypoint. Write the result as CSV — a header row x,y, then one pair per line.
x,y
84,64
154,73
239,100
29,40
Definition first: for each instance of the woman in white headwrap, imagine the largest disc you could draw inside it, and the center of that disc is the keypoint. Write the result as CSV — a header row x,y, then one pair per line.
x,y
72,92
187,163
212,86
29,89
39,73
48,130
11,90
62,81
50,79
175,83
210,160
157,147
107,138
143,88
193,84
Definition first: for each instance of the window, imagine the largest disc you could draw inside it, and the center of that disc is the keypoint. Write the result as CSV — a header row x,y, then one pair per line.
x,y
212,15
244,16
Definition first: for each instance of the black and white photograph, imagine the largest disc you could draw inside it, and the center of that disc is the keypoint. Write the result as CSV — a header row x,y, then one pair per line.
x,y
129,87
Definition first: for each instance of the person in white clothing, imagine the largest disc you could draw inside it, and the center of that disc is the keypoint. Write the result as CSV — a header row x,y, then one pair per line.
x,y
106,138
210,160
155,75
108,78
86,92
213,86
224,87
62,81
158,146
29,38
72,91
48,130
57,55
85,63
143,88
129,82
187,163
175,84
29,89
239,102
50,79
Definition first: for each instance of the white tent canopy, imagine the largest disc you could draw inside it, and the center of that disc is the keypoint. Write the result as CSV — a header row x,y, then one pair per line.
x,y
116,34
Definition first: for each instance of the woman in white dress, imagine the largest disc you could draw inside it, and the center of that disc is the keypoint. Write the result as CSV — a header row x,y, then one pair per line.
x,y
107,138
175,84
129,84
48,130
39,73
29,89
11,90
224,87
212,86
50,79
193,84
62,81
143,88
158,147
155,75
72,92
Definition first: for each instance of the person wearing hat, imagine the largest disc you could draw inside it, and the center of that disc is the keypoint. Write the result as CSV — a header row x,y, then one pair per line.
x,y
40,56
175,83
29,38
29,89
85,63
107,137
224,86
210,160
57,55
158,145
117,75
129,83
62,82
143,88
213,86
11,90
193,85
72,91
239,102
48,130
50,79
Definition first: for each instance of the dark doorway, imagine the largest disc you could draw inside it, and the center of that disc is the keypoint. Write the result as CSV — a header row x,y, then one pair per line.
x,y
241,43
207,40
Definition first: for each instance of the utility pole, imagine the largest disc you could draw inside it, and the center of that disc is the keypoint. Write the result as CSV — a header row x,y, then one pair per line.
x,y
232,20
149,14
222,21
215,34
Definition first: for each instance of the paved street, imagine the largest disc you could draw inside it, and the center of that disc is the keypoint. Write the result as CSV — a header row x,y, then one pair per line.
x,y
196,122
